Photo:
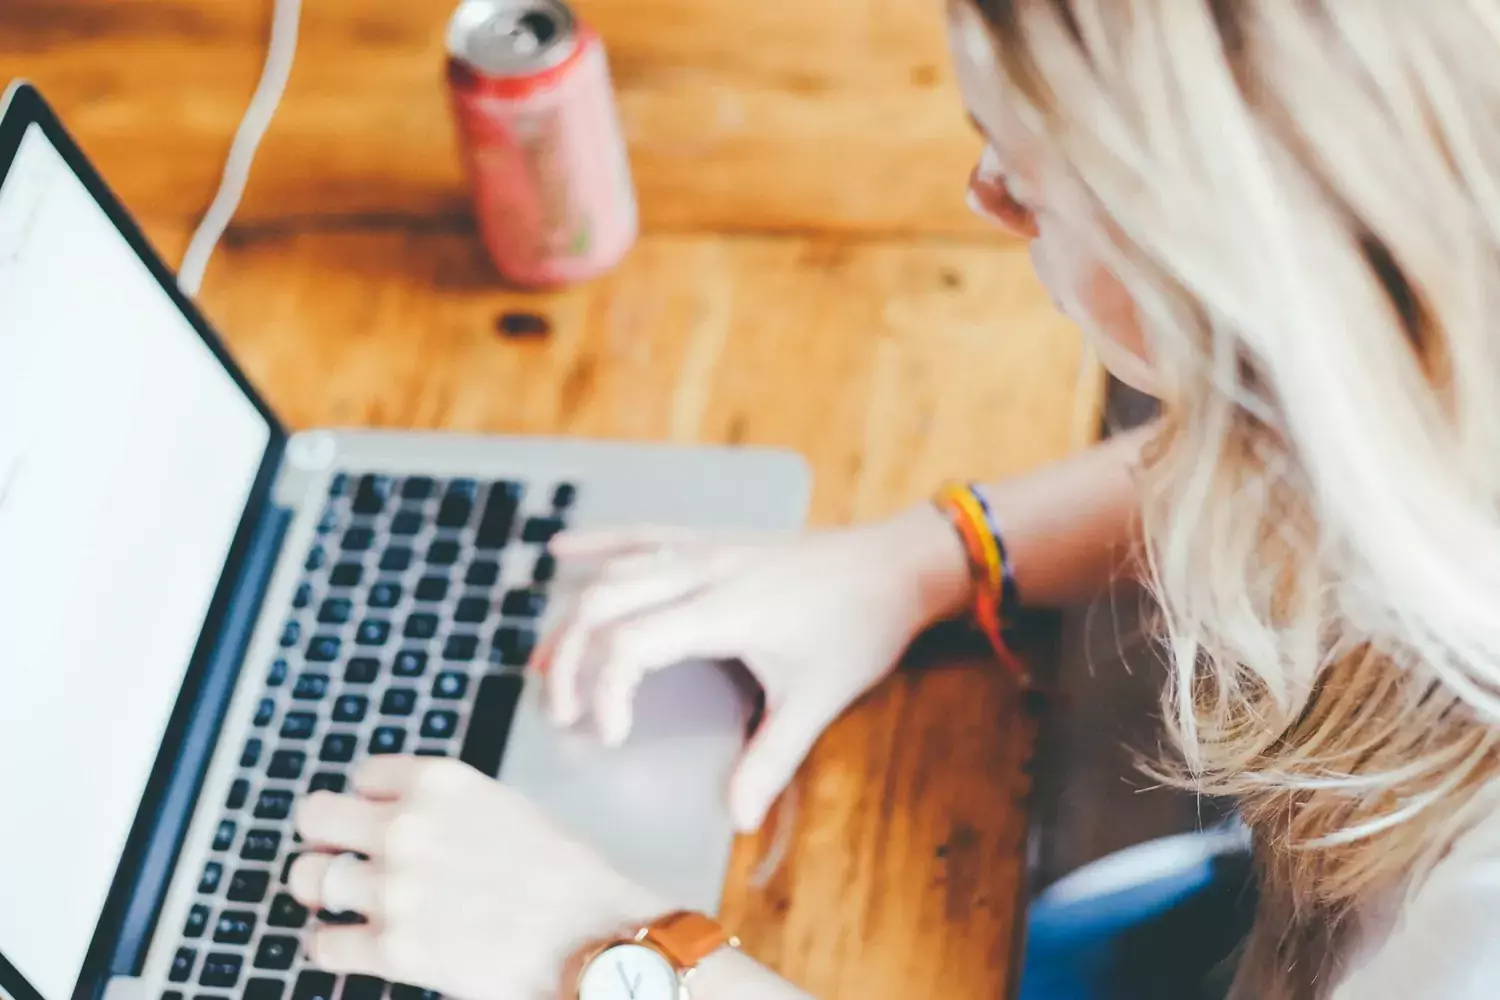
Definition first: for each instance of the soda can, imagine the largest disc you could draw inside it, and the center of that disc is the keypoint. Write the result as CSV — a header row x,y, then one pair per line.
x,y
541,141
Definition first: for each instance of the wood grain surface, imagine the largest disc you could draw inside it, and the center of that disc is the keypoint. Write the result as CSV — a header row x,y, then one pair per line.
x,y
808,278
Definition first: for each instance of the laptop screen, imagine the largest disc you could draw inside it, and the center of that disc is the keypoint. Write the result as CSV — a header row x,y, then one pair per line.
x,y
127,457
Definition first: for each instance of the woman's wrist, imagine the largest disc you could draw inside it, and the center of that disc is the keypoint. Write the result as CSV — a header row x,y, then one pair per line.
x,y
730,974
933,556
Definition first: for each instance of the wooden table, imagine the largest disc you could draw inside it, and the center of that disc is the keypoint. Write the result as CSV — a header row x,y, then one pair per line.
x,y
808,278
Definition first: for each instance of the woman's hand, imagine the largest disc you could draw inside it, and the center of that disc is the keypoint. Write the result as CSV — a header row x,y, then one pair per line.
x,y
468,889
818,619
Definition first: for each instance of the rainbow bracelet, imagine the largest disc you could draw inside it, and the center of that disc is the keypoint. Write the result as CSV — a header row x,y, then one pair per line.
x,y
995,594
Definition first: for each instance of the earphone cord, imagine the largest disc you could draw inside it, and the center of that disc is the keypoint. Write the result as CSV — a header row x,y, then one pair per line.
x,y
262,108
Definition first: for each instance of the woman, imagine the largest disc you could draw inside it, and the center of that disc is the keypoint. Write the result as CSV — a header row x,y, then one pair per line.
x,y
1283,219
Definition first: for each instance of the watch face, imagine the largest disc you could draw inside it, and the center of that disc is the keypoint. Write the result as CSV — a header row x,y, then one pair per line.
x,y
628,972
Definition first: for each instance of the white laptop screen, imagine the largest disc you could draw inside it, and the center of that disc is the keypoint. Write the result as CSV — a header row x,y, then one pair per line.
x,y
127,456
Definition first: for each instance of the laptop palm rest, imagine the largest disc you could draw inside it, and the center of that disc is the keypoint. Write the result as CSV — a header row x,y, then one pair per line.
x,y
658,806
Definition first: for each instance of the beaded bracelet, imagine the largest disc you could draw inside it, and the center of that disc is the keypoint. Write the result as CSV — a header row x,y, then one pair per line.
x,y
995,594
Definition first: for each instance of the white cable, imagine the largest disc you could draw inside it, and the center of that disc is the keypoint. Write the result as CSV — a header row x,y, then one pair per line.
x,y
268,94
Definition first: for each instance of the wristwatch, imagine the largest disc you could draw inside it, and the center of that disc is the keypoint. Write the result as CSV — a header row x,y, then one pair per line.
x,y
656,962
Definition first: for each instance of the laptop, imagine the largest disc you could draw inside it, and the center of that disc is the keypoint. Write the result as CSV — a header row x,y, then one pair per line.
x,y
204,615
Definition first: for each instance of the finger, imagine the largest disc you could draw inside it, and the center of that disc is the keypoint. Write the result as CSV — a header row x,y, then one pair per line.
x,y
600,606
353,948
612,544
342,822
389,777
689,630
769,764
339,883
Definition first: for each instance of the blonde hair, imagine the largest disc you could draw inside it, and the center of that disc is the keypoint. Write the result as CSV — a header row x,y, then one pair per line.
x,y
1302,200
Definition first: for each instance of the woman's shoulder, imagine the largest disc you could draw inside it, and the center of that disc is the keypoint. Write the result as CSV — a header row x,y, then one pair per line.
x,y
1437,939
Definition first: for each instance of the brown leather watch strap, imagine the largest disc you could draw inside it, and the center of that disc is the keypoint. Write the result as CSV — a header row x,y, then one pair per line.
x,y
687,938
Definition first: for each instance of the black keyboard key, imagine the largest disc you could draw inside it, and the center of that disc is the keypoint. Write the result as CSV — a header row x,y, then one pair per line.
x,y
371,494
250,756
221,968
387,739
264,989
499,517
406,523
434,752
409,663
310,687
455,511
439,724
418,488
450,684
350,708
432,588
182,965
545,568
358,539
397,559
172,995
336,611
462,486
373,632
264,712
328,520
442,553
248,885
223,836
197,921
316,557
489,723
286,866
324,649
286,912
234,927
363,988
401,992
338,748
313,984
338,485
384,595
422,625
273,803
261,845
291,633
525,603
564,496
460,648
298,725
286,765
276,676
541,530
515,644
398,701
471,610
327,781
347,574
303,597
361,670
482,573
239,794
277,952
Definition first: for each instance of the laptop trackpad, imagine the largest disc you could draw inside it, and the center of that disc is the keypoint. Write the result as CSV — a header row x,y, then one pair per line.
x,y
657,807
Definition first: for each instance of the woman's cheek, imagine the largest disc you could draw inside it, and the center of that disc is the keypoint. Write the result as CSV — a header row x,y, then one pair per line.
x,y
1092,297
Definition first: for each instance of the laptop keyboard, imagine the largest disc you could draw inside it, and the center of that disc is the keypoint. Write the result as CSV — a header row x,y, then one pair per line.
x,y
410,629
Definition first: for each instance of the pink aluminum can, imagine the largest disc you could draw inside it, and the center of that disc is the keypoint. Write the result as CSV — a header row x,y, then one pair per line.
x,y
541,141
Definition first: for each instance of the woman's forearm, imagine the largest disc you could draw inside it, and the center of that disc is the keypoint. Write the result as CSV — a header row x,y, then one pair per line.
x,y
1070,529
